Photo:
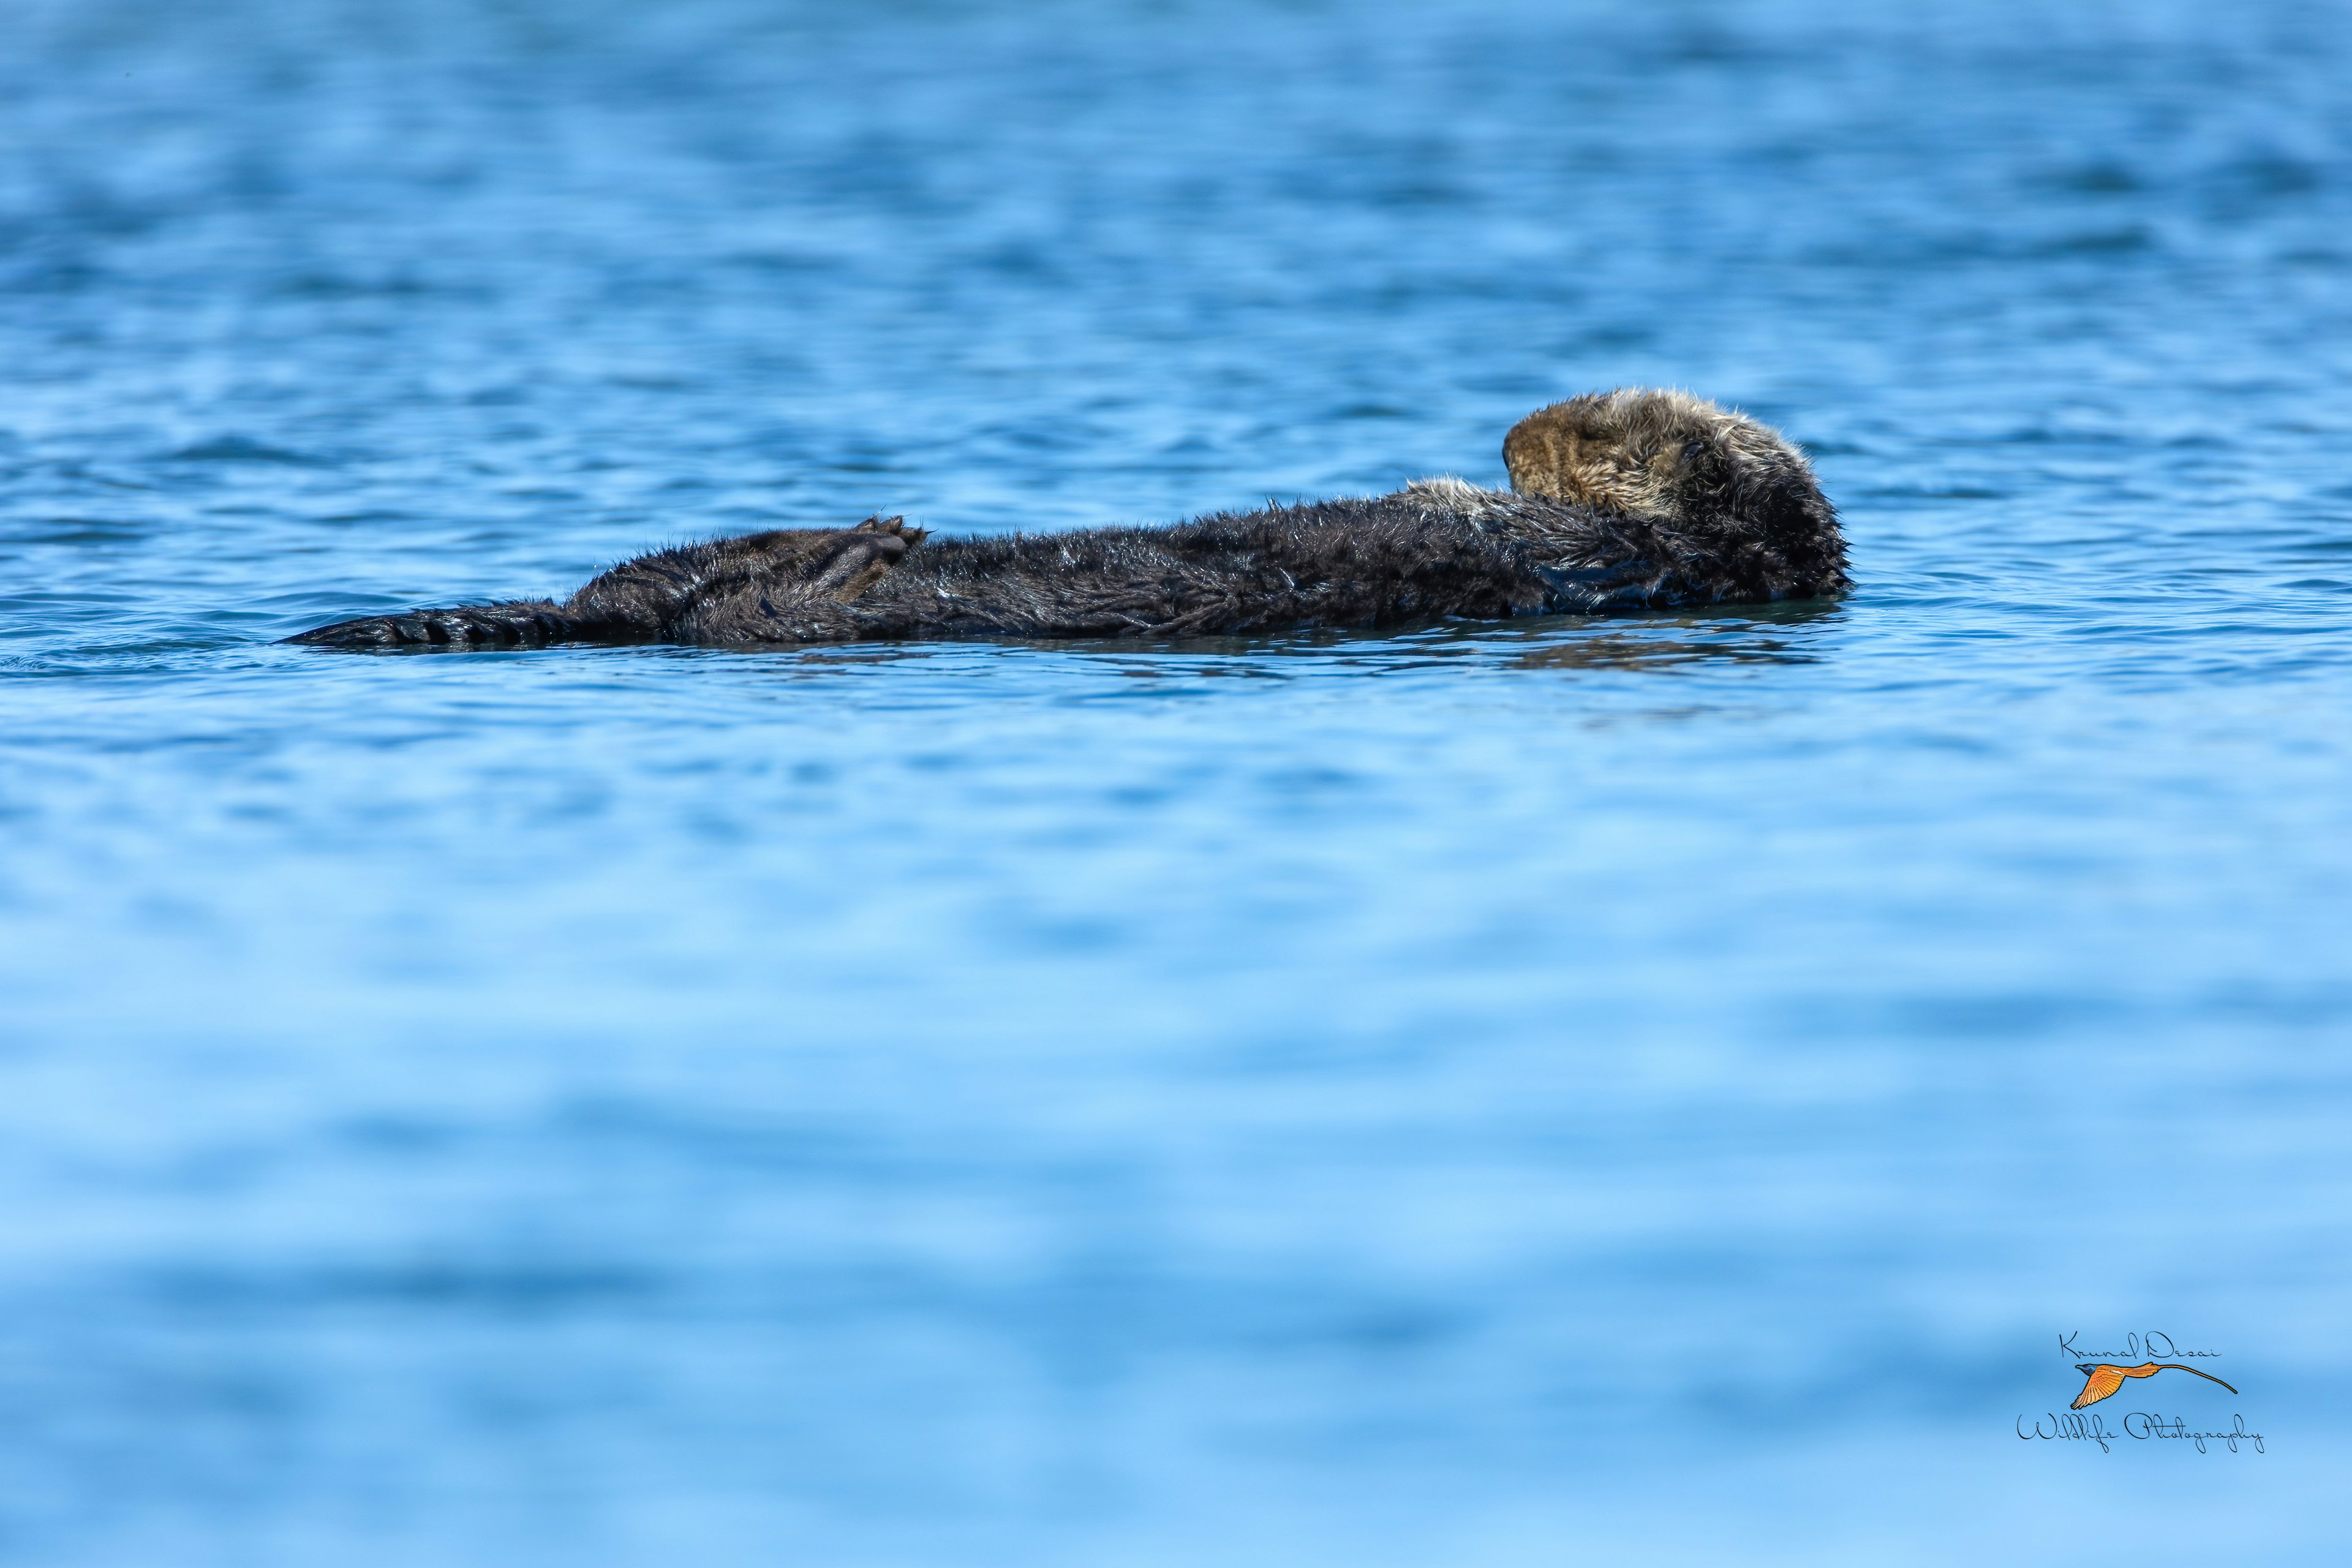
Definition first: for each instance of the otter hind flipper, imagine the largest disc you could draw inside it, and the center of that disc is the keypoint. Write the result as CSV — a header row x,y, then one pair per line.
x,y
860,555
807,595
533,623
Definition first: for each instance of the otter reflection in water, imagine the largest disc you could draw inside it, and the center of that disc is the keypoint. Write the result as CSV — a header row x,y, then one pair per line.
x,y
1619,500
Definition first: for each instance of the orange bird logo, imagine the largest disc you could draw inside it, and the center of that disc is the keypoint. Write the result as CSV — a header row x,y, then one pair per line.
x,y
2106,1377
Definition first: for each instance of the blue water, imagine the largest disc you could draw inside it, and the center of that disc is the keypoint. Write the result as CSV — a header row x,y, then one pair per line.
x,y
1651,1090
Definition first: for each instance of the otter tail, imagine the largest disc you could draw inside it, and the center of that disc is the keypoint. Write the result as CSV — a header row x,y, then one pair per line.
x,y
529,623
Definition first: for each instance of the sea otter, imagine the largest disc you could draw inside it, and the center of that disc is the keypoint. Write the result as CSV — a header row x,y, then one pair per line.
x,y
1619,500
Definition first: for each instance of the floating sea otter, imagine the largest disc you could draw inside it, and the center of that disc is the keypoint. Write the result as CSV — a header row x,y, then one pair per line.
x,y
1619,500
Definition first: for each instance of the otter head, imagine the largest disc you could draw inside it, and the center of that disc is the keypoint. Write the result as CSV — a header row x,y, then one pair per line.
x,y
1721,479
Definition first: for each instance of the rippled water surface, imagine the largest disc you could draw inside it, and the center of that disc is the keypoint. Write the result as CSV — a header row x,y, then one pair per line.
x,y
1648,1090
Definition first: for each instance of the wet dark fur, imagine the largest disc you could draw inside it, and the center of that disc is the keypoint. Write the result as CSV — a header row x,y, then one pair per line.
x,y
1718,510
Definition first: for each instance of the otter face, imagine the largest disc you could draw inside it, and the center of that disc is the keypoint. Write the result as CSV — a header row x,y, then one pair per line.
x,y
1613,450
1670,456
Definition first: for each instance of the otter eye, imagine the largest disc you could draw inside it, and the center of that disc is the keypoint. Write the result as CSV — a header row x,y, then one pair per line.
x,y
1691,449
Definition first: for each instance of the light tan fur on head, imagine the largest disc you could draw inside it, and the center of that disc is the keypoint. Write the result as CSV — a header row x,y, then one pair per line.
x,y
1635,449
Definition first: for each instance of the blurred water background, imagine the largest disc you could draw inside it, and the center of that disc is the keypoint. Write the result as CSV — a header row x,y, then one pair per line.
x,y
1642,1090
